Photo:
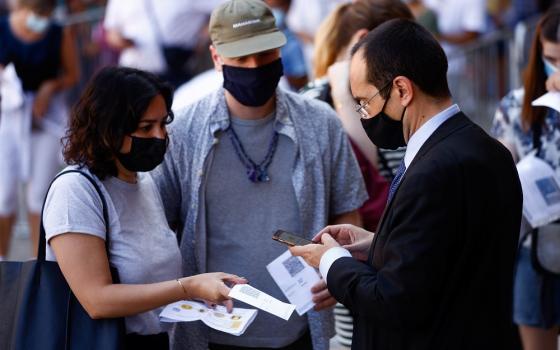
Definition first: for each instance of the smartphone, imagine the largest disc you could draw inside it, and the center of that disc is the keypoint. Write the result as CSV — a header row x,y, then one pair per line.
x,y
290,238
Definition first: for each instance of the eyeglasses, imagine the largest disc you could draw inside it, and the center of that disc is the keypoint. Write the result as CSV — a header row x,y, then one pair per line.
x,y
362,105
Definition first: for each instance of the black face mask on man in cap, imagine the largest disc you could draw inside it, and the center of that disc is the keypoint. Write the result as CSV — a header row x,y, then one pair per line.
x,y
253,86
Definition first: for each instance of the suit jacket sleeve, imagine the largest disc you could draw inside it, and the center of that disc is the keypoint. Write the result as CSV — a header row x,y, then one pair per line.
x,y
418,240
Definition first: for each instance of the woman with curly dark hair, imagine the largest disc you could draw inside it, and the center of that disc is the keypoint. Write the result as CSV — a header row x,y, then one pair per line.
x,y
117,133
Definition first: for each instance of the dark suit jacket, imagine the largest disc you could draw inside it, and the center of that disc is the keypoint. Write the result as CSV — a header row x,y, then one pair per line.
x,y
440,273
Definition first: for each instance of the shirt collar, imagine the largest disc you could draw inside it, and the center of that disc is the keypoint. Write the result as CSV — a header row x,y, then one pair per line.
x,y
421,135
219,117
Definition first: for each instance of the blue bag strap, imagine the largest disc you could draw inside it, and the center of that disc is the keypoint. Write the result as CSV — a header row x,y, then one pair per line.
x,y
42,238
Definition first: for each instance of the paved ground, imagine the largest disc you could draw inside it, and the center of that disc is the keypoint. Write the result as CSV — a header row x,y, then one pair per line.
x,y
20,248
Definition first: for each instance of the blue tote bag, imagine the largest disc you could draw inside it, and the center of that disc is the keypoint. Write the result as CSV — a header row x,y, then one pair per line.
x,y
39,311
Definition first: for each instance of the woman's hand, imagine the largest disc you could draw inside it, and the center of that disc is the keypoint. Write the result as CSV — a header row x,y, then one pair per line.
x,y
43,98
553,82
339,80
212,287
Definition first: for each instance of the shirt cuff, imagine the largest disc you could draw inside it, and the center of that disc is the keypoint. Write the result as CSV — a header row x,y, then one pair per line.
x,y
330,257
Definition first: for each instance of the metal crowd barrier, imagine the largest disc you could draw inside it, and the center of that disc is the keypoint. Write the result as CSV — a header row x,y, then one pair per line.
x,y
482,73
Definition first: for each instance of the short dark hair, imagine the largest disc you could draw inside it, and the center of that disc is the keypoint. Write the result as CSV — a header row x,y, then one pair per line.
x,y
404,47
110,108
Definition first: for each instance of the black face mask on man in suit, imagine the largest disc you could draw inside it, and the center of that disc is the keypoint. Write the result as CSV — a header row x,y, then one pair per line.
x,y
384,131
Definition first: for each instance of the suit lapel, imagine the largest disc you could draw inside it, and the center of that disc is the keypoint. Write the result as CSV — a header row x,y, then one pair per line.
x,y
456,122
451,125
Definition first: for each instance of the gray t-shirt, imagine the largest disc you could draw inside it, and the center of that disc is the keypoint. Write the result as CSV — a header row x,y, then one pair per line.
x,y
142,246
241,217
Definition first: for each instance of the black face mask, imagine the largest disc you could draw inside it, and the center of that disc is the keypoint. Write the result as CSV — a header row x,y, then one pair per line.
x,y
383,131
145,154
253,86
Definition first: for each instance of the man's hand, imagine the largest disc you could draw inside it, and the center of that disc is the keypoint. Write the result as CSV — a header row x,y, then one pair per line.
x,y
321,296
312,253
354,238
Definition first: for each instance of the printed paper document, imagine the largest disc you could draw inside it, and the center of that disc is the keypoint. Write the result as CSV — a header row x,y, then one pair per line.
x,y
234,323
550,99
541,191
261,300
295,278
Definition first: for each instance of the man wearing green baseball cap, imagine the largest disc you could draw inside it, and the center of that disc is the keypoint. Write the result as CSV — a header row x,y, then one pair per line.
x,y
246,161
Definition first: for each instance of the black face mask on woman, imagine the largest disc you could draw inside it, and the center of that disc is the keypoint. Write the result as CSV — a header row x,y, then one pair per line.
x,y
383,131
253,86
145,154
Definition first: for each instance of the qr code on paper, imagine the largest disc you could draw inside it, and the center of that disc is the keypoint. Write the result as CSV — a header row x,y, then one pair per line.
x,y
549,190
250,292
293,265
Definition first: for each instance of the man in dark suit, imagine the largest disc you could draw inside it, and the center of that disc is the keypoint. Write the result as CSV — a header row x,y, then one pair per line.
x,y
438,273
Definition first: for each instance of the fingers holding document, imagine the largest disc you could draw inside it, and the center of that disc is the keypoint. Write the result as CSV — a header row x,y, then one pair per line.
x,y
212,287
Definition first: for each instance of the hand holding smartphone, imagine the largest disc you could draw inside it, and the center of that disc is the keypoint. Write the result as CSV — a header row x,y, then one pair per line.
x,y
290,238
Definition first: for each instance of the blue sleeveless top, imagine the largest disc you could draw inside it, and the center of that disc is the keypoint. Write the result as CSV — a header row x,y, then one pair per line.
x,y
35,62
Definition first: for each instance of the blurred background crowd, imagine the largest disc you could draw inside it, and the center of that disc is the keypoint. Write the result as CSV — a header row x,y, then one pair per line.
x,y
487,43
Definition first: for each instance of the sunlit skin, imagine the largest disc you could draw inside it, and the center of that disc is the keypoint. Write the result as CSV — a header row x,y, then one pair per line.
x,y
152,125
363,90
551,52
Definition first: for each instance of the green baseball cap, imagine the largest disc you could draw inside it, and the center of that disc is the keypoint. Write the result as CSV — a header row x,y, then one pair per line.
x,y
244,27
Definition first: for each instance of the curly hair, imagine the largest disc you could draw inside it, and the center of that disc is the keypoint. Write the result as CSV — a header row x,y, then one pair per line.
x,y
110,108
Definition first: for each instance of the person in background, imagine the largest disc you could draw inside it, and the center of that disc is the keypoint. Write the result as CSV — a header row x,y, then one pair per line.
x,y
304,19
423,15
157,36
343,28
118,132
248,160
459,21
516,124
45,60
293,60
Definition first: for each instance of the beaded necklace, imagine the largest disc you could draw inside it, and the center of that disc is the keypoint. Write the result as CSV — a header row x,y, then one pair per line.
x,y
255,172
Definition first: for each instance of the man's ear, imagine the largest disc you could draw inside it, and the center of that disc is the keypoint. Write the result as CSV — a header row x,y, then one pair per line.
x,y
405,89
216,58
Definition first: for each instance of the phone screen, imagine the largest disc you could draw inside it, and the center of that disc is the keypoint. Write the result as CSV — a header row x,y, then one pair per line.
x,y
290,238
